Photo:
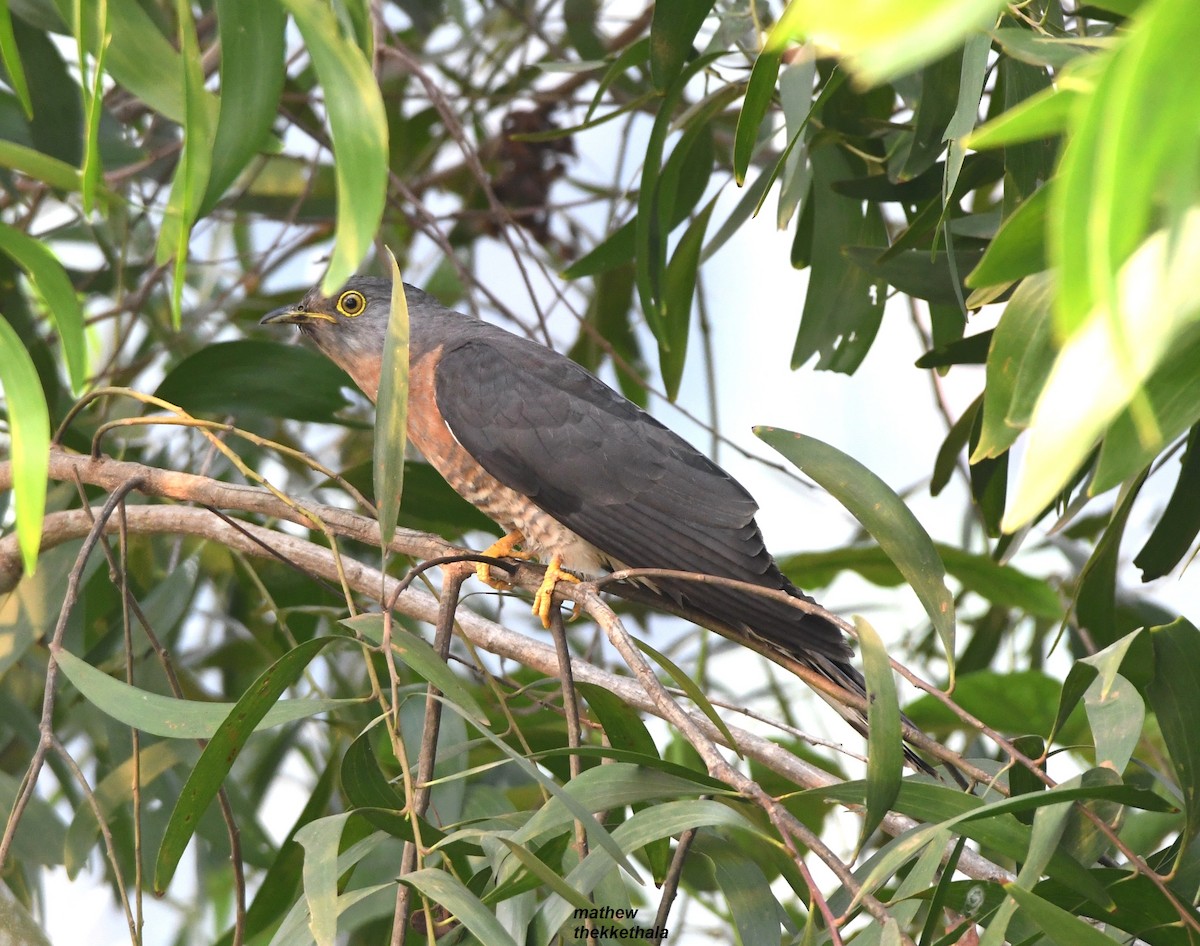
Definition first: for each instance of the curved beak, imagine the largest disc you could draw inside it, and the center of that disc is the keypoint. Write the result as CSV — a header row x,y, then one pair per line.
x,y
293,315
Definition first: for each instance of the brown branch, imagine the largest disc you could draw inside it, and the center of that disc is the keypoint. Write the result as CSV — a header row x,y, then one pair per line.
x,y
253,540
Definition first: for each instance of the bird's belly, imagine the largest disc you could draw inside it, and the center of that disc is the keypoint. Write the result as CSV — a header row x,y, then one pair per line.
x,y
544,535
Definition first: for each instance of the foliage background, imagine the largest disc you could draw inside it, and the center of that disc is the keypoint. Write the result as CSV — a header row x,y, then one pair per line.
x,y
571,169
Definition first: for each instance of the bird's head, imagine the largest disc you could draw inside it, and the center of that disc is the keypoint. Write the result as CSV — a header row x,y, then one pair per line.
x,y
350,326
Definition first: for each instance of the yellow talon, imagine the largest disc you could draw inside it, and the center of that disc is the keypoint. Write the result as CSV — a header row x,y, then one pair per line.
x,y
501,548
543,601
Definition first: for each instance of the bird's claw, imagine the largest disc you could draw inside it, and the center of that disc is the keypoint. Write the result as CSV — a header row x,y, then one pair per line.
x,y
501,548
543,601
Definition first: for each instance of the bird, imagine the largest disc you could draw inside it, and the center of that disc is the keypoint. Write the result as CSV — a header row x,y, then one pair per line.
x,y
576,474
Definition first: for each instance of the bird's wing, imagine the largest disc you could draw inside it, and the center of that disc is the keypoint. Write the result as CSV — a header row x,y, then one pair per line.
x,y
639,493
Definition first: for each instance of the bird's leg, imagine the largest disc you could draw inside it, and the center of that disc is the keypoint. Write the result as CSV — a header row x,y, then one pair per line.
x,y
543,601
502,548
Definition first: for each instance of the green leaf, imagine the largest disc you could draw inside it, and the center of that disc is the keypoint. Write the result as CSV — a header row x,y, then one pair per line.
x,y
688,685
882,41
1096,590
919,273
1022,701
371,795
218,757
547,875
29,441
449,892
883,514
1172,695
885,758
174,718
195,161
623,727
99,26
391,413
1003,585
992,824
672,30
252,74
678,290
1121,162
752,906
358,126
423,659
614,250
1179,523
256,378
1039,50
760,91
1019,248
1042,115
935,104
42,167
115,790
1021,781
655,209
844,304
609,786
139,57
19,924
1058,924
39,836
1116,713
661,821
971,350
1018,361
320,840
53,284
1103,366
1167,405
957,438
10,53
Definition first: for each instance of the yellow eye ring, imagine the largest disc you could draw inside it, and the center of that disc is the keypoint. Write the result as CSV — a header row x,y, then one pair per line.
x,y
351,303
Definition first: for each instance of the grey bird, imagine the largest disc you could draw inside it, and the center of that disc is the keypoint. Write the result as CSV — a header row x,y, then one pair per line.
x,y
576,474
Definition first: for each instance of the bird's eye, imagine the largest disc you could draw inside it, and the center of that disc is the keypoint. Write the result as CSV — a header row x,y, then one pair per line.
x,y
351,303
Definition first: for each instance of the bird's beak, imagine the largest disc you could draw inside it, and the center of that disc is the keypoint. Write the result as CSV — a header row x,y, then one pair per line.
x,y
293,315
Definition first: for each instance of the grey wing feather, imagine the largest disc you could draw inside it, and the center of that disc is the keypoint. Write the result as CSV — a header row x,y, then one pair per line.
x,y
619,479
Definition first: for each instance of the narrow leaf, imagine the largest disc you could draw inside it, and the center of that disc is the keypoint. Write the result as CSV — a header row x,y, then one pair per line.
x,y
881,41
1172,695
678,292
672,31
219,755
320,840
391,413
29,441
468,909
1059,925
195,161
10,53
358,126
688,685
174,718
885,749
883,514
252,74
423,659
54,286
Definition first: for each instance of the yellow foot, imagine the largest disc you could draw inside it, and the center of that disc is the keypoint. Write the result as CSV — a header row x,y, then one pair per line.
x,y
501,548
543,601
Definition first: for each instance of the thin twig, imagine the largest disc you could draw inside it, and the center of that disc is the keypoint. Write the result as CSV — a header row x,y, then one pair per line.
x,y
670,885
454,577
571,712
46,724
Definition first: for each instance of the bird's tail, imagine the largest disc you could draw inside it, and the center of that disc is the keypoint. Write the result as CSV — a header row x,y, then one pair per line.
x,y
846,677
